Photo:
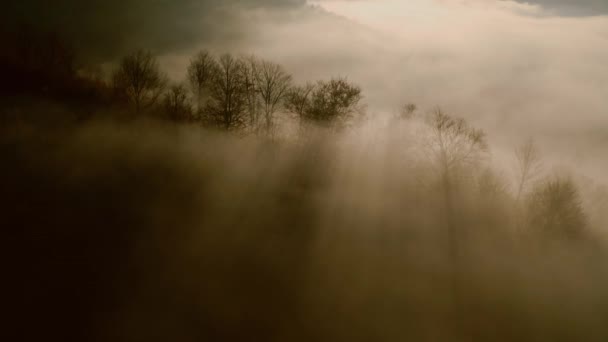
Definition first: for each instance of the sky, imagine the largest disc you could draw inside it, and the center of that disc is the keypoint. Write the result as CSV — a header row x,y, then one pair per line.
x,y
517,69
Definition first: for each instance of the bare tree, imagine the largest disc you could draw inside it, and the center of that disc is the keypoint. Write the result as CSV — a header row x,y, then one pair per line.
x,y
227,105
555,207
273,84
325,103
177,104
333,100
298,100
250,67
139,79
492,198
408,110
528,166
201,71
453,145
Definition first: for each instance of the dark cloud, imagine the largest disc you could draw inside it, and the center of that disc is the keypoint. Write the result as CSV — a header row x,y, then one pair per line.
x,y
572,7
103,29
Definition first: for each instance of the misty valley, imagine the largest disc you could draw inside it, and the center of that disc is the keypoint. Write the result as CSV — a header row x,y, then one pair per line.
x,y
227,196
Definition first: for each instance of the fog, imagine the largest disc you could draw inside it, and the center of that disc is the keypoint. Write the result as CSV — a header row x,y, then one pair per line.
x,y
516,70
479,213
153,232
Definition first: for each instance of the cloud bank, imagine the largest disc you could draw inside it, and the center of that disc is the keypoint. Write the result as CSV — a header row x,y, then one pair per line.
x,y
571,7
507,66
107,28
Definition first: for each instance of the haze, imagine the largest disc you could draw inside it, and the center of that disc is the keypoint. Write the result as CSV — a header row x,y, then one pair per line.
x,y
292,170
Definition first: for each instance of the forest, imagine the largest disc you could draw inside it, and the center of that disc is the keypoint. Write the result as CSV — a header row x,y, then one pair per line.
x,y
239,204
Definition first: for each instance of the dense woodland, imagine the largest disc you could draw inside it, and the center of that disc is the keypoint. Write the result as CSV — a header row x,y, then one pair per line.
x,y
240,204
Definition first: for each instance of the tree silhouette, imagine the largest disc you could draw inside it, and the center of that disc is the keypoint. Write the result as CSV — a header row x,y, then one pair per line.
x,y
201,72
139,79
333,100
273,85
227,105
528,166
554,207
176,103
325,103
453,144
298,100
250,67
408,111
